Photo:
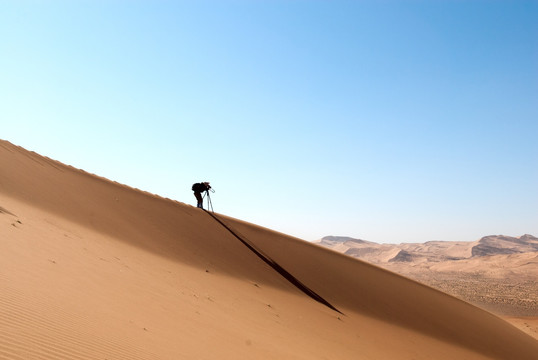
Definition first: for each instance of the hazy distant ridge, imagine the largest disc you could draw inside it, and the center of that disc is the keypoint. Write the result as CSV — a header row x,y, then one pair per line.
x,y
494,245
497,272
432,250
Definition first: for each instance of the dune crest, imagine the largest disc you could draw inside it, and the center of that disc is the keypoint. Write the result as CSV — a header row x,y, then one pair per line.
x,y
92,269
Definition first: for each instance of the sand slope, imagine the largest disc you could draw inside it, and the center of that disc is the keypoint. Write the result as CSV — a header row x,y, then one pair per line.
x,y
91,269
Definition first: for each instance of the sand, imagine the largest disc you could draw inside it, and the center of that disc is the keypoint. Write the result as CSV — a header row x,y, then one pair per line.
x,y
92,269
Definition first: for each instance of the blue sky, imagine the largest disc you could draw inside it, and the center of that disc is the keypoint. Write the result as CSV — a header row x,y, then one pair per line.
x,y
389,121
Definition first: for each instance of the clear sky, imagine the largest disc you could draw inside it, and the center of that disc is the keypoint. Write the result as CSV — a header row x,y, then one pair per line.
x,y
388,121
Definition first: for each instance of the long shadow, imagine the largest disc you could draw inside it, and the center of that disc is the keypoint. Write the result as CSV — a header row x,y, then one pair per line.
x,y
279,269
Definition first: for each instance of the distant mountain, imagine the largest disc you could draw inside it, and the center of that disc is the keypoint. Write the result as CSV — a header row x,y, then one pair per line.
x,y
495,245
431,251
496,272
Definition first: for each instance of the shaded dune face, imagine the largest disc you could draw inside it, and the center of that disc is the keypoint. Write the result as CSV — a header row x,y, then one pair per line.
x,y
417,320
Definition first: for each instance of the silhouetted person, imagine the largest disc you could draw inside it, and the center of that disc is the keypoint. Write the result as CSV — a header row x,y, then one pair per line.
x,y
198,189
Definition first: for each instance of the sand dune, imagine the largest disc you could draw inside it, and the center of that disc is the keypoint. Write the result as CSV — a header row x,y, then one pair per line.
x,y
92,269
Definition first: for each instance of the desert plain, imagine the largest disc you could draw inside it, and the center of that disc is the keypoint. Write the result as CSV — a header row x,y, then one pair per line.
x,y
498,273
93,269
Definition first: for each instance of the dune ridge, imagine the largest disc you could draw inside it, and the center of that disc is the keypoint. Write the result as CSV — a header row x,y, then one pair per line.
x,y
93,269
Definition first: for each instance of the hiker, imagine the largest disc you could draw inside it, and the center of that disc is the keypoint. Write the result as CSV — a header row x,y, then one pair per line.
x,y
198,189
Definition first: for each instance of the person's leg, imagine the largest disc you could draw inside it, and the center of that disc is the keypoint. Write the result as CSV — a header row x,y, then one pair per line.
x,y
200,200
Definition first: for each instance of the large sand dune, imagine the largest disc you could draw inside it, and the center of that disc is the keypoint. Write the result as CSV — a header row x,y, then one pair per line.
x,y
91,269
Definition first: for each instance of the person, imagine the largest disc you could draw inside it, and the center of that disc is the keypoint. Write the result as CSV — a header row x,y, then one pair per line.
x,y
198,189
